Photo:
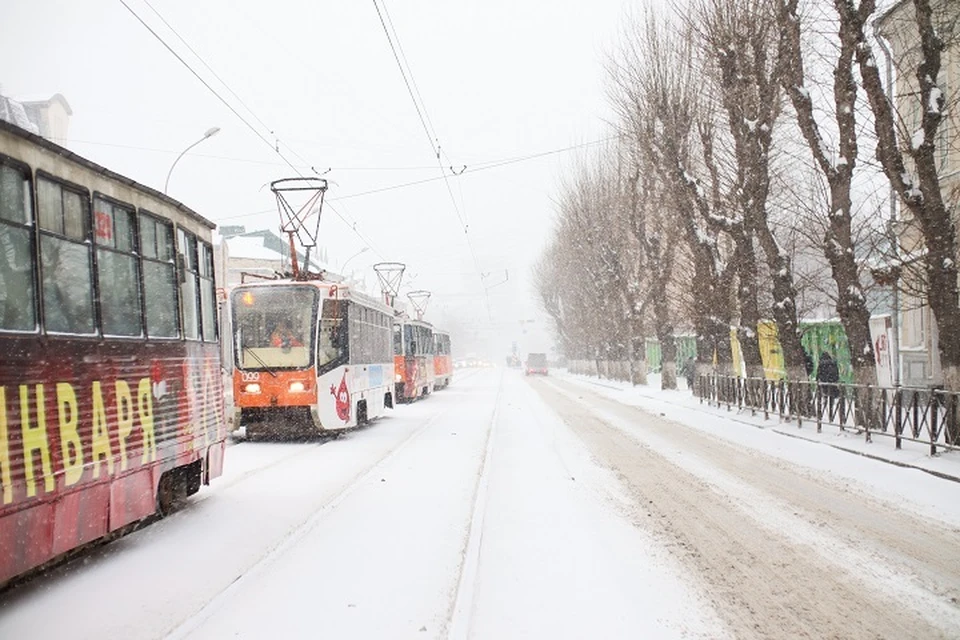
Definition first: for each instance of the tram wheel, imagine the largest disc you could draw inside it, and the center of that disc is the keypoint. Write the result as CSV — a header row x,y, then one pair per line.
x,y
172,492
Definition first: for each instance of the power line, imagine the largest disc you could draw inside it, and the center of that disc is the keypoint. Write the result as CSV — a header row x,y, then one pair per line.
x,y
413,80
275,146
205,83
484,166
403,74
431,137
204,63
278,142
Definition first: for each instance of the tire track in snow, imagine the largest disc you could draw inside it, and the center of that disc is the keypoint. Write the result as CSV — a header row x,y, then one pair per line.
x,y
768,570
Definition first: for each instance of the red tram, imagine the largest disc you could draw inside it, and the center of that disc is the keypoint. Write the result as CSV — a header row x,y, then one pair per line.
x,y
111,399
413,346
442,359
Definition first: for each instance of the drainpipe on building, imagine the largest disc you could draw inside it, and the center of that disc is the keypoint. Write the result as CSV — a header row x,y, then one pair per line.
x,y
895,243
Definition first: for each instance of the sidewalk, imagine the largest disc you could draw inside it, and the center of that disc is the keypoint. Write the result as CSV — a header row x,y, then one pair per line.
x,y
681,405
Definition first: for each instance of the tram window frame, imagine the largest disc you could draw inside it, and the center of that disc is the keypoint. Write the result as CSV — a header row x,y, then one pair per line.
x,y
189,275
156,263
116,243
26,227
57,237
208,292
342,344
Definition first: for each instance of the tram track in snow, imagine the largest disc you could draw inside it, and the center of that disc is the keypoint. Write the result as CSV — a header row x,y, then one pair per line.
x,y
246,475
460,612
296,533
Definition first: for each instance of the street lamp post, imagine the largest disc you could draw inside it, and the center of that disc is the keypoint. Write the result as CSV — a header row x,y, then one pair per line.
x,y
212,131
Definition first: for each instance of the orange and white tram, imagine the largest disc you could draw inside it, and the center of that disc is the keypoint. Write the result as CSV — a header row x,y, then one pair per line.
x,y
310,355
111,395
413,349
442,359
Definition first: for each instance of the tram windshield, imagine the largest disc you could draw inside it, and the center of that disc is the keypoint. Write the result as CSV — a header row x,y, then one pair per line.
x,y
274,327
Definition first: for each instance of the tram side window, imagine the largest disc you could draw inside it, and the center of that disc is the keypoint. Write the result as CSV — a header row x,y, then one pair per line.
x,y
118,270
332,348
359,335
187,246
18,308
410,340
65,259
208,294
385,341
159,277
425,341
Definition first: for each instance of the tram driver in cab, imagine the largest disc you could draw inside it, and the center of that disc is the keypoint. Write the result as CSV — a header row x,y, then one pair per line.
x,y
283,336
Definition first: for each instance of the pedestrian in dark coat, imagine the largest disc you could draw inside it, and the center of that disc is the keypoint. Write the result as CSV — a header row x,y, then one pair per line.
x,y
828,375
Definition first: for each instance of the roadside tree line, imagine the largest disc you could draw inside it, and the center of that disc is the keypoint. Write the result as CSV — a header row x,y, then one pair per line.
x,y
757,151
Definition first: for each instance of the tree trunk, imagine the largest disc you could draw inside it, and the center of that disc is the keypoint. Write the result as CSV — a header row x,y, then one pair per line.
x,y
838,245
924,200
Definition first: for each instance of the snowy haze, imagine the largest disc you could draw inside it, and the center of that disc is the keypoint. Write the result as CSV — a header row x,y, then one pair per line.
x,y
499,80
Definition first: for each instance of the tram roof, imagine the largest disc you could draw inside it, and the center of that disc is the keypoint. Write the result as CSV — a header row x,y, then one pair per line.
x,y
65,153
345,291
421,323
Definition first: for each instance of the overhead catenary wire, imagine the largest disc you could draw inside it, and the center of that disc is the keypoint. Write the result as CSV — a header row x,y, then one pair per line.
x,y
204,82
277,140
483,166
396,47
275,146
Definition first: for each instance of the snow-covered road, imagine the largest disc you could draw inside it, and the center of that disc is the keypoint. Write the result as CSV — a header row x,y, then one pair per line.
x,y
505,507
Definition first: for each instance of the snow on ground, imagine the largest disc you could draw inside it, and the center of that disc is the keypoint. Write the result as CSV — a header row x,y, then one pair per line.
x,y
505,508
787,550
556,559
475,513
147,583
831,451
382,560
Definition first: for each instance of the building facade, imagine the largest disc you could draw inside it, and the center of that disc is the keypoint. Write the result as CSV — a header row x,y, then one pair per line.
x,y
899,38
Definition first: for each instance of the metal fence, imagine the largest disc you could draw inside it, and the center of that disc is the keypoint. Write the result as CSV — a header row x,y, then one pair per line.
x,y
928,416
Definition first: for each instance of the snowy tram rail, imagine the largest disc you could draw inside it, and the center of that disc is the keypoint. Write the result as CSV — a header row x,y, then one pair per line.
x,y
514,507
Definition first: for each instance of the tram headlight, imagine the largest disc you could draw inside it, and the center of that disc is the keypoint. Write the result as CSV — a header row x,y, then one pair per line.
x,y
399,378
252,387
296,387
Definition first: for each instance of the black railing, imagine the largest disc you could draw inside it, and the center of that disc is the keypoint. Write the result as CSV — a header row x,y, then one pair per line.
x,y
928,416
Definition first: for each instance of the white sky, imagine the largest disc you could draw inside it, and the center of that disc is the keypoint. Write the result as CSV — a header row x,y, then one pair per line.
x,y
500,79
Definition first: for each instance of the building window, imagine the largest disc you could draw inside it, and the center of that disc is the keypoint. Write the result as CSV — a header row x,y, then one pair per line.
x,y
18,307
118,271
65,259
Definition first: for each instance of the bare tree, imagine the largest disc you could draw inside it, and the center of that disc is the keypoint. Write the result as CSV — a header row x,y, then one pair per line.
x,y
740,38
654,88
838,241
910,162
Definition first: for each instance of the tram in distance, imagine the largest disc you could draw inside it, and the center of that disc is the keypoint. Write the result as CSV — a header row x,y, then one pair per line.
x,y
111,398
311,356
413,357
442,359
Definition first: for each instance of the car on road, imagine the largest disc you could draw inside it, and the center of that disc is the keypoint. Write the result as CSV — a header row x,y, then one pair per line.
x,y
537,364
